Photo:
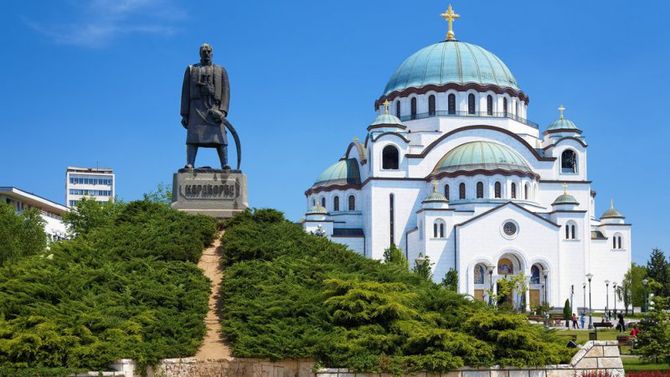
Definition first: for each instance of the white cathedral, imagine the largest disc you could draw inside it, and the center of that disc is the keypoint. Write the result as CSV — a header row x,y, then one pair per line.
x,y
452,172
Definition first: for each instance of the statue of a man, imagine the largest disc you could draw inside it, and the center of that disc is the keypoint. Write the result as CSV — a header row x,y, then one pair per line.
x,y
205,95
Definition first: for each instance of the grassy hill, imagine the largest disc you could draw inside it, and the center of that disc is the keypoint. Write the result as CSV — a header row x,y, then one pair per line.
x,y
288,294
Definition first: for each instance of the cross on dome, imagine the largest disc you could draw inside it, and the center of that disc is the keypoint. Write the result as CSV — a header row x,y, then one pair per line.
x,y
565,188
561,109
450,16
386,106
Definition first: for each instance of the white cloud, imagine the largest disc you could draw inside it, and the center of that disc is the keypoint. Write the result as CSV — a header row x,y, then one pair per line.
x,y
96,23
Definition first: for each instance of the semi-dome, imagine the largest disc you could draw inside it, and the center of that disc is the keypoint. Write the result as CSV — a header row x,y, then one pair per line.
x,y
482,155
342,172
451,61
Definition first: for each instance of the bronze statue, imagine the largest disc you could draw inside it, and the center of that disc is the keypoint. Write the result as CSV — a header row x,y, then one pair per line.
x,y
205,96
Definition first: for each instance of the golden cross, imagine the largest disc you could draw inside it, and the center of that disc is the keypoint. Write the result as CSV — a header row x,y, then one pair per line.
x,y
561,109
450,16
434,185
386,106
565,188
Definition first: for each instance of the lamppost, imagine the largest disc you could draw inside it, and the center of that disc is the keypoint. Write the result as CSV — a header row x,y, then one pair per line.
x,y
607,297
490,270
545,287
572,295
584,300
589,276
646,295
615,295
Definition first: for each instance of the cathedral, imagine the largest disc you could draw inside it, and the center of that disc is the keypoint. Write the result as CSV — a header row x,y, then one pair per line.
x,y
453,173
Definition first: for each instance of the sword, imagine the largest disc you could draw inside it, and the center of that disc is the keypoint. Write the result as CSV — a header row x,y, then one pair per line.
x,y
238,145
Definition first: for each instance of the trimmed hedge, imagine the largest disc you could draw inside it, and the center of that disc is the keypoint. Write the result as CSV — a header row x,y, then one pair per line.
x,y
288,294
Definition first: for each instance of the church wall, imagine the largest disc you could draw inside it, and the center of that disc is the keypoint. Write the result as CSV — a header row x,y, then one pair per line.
x,y
549,191
609,264
582,161
572,255
440,250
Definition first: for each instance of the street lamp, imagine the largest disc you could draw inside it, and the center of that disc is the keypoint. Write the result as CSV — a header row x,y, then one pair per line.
x,y
615,295
490,270
607,296
646,295
572,295
545,287
584,300
589,276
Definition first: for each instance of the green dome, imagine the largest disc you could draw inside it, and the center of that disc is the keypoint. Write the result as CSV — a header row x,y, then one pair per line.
x,y
387,119
612,213
451,62
562,124
565,199
342,172
482,155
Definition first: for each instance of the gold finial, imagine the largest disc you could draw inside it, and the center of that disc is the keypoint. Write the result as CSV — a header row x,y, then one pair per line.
x,y
450,16
386,106
565,188
561,109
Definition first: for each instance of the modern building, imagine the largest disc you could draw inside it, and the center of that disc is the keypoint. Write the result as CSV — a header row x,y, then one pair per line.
x,y
93,183
453,173
51,212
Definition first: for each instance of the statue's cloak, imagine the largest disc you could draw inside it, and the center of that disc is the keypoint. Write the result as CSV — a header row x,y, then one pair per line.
x,y
205,92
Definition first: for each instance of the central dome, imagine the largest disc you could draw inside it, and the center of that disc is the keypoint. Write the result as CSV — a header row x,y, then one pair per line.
x,y
482,156
448,62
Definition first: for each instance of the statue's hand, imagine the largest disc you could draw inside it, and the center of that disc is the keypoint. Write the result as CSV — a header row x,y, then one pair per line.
x,y
184,122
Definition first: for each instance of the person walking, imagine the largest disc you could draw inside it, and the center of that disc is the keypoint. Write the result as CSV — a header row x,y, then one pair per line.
x,y
621,325
582,319
574,321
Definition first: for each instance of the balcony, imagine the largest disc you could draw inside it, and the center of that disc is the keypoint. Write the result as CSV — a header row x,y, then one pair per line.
x,y
479,114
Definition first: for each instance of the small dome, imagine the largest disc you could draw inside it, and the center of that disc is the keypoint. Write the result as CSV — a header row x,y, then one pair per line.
x,y
565,198
482,155
451,61
612,213
562,124
318,209
342,172
435,196
386,119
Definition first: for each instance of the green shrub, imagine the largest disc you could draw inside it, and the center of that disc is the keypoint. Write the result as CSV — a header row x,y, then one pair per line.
x,y
21,235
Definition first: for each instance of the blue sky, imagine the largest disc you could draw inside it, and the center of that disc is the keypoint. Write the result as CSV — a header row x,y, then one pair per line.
x,y
98,82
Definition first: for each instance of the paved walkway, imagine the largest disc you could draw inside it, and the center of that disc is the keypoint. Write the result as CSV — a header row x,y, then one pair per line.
x,y
213,348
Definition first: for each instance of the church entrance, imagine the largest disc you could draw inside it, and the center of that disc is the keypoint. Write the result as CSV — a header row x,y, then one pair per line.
x,y
509,292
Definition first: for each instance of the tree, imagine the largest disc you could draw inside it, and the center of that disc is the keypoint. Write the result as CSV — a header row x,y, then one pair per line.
x,y
21,235
567,313
450,280
507,287
423,267
90,214
632,290
163,194
654,338
393,255
658,269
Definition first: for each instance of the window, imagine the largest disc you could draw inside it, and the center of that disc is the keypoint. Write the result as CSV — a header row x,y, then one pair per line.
x,y
479,274
461,191
390,157
510,228
617,242
498,190
323,202
480,190
352,203
313,202
504,107
525,191
446,191
513,190
535,275
569,161
336,203
570,231
451,104
471,103
413,107
489,105
516,108
391,218
438,229
397,108
431,105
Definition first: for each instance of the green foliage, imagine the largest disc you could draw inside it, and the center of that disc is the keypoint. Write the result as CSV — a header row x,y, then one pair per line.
x,y
654,337
162,195
394,255
289,294
90,214
658,269
450,280
423,267
506,288
632,291
567,310
21,235
125,287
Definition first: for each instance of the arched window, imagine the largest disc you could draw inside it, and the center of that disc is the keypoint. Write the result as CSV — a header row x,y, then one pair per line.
x,y
313,202
336,203
435,229
352,203
535,274
617,242
397,108
451,103
513,190
446,191
504,107
568,161
390,157
461,191
323,202
516,108
480,190
498,190
525,192
413,107
471,103
431,105
480,272
438,229
570,231
489,105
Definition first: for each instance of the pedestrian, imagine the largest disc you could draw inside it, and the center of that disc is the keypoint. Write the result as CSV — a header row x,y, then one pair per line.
x,y
582,319
574,321
635,331
621,325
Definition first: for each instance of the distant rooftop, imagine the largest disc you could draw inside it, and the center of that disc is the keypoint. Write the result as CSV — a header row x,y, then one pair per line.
x,y
33,200
76,169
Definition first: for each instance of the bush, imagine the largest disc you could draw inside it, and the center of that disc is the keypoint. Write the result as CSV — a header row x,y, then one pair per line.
x,y
125,287
289,294
21,235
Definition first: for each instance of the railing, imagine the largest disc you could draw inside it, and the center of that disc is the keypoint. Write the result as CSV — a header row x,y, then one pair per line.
x,y
477,114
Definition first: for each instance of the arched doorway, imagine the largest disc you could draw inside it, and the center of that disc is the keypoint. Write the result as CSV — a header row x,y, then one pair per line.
x,y
509,265
537,287
482,277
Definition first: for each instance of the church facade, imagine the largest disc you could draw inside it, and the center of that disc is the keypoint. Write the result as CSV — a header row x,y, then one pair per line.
x,y
453,173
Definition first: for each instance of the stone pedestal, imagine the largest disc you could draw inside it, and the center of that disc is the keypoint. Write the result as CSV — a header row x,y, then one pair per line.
x,y
213,192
